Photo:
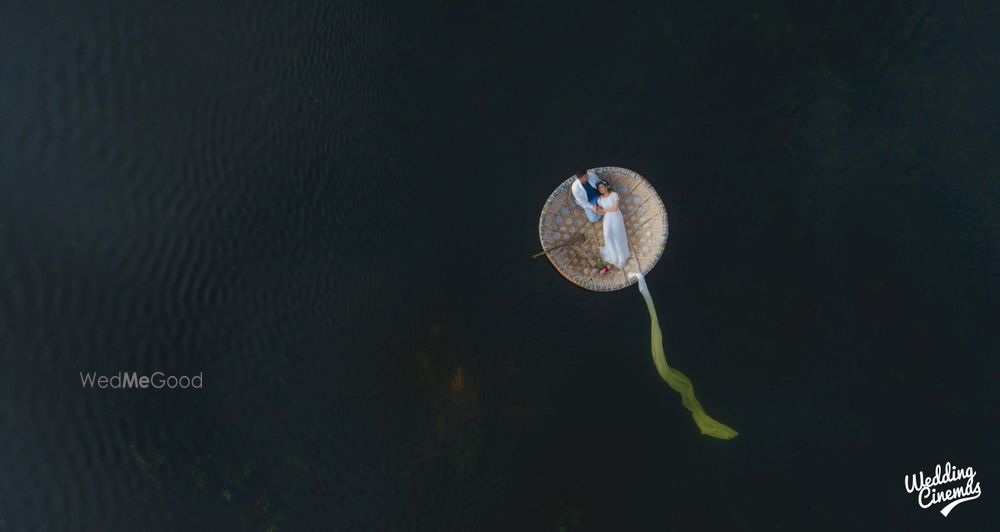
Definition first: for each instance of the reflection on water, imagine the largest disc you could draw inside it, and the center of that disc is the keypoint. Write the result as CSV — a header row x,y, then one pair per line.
x,y
329,209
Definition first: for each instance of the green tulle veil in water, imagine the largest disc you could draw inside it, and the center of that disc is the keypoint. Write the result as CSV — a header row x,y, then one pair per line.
x,y
677,380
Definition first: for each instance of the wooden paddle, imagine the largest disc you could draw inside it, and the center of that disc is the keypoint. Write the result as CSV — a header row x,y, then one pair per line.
x,y
577,238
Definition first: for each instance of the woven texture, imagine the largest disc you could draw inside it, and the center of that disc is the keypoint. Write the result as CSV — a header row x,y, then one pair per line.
x,y
645,224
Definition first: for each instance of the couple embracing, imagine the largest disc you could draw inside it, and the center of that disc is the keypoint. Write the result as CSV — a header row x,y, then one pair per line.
x,y
598,201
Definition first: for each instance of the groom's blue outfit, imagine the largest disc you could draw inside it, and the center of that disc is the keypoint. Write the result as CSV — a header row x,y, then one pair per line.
x,y
592,195
585,194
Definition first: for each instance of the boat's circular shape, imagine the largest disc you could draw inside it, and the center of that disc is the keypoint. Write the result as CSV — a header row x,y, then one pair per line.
x,y
563,221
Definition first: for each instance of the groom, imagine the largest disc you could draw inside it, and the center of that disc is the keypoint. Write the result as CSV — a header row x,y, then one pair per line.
x,y
585,193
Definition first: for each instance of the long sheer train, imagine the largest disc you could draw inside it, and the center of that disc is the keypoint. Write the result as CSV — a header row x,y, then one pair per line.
x,y
677,380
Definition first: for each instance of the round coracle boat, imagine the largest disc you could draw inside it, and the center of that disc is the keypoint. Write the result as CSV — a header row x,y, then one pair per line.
x,y
572,243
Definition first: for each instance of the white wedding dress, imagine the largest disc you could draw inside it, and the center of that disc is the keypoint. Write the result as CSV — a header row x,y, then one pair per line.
x,y
615,250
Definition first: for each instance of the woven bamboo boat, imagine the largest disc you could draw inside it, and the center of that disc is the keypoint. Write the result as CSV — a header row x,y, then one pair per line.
x,y
562,221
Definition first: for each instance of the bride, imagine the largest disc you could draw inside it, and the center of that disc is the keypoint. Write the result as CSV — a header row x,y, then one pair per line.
x,y
615,250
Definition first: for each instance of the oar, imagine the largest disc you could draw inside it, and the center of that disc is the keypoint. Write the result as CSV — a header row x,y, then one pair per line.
x,y
577,238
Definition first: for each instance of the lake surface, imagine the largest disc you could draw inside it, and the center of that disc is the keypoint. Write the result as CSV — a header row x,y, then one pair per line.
x,y
327,210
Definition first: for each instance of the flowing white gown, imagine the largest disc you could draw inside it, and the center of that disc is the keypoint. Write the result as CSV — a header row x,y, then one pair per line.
x,y
615,250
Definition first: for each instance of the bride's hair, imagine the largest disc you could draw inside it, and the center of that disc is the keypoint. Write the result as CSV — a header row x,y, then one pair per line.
x,y
606,185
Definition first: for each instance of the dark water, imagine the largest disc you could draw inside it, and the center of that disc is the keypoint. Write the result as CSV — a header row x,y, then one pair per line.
x,y
327,209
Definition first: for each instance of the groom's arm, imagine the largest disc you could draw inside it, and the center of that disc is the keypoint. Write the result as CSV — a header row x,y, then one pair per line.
x,y
593,178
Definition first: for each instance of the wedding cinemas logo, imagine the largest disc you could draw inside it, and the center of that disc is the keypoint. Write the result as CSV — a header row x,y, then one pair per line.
x,y
928,493
132,380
